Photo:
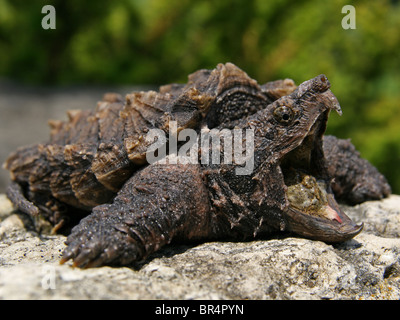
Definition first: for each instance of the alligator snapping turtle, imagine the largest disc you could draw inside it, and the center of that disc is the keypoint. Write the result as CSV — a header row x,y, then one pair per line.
x,y
95,165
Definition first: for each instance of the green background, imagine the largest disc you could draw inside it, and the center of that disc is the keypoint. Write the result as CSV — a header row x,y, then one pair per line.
x,y
160,41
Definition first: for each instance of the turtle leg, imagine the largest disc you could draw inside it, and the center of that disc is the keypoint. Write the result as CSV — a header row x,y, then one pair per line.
x,y
355,179
155,206
47,213
16,195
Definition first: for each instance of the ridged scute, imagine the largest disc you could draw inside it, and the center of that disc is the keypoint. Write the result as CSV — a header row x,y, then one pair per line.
x,y
89,157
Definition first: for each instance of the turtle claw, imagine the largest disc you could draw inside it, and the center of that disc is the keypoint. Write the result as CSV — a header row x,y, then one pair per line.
x,y
101,244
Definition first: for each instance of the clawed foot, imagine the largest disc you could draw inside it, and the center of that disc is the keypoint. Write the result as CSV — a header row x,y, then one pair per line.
x,y
97,241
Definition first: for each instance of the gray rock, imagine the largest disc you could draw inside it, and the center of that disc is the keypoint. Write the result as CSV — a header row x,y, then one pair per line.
x,y
5,207
380,217
366,267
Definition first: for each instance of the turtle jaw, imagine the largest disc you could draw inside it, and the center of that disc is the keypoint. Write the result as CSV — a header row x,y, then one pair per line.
x,y
323,229
312,210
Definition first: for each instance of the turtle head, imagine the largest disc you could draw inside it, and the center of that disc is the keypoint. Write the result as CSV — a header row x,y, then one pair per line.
x,y
289,134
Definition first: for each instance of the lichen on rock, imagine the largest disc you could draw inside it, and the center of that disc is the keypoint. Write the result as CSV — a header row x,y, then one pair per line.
x,y
366,267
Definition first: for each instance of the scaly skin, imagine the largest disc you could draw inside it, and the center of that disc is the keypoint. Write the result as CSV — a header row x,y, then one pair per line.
x,y
96,163
164,202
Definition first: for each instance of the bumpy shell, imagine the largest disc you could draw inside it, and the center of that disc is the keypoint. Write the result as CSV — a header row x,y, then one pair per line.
x,y
89,157
96,162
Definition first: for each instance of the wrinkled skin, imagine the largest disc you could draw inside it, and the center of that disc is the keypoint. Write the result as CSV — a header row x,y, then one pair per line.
x,y
356,180
96,163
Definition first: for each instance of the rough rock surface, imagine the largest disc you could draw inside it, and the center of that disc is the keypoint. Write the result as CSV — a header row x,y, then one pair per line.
x,y
366,267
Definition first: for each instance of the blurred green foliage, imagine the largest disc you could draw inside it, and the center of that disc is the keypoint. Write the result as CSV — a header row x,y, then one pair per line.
x,y
158,41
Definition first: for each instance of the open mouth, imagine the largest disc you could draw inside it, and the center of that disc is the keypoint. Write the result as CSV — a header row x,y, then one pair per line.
x,y
313,211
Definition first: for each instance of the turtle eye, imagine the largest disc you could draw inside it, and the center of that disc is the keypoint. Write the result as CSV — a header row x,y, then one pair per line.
x,y
284,115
